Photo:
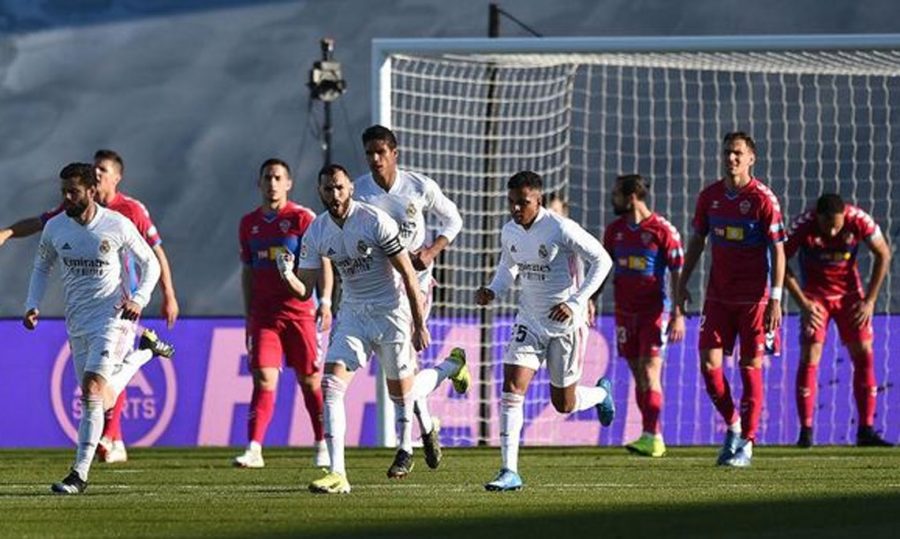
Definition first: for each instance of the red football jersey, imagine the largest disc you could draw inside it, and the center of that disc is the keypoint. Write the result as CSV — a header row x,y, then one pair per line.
x,y
741,226
641,254
262,236
828,268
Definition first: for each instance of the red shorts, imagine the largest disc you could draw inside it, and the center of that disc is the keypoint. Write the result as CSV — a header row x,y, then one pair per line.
x,y
722,323
841,310
640,335
294,339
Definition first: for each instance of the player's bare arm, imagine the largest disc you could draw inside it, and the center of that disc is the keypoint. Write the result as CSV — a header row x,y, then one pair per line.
x,y
696,244
402,264
20,229
425,256
810,311
772,315
169,309
325,288
676,327
882,255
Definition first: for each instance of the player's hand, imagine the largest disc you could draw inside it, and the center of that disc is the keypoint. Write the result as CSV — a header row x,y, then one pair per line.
x,y
591,313
772,318
324,317
285,263
862,312
676,328
5,234
484,295
421,339
812,316
169,310
30,320
130,310
560,312
422,259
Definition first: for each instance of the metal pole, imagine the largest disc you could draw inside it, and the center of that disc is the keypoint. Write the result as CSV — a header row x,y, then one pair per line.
x,y
488,242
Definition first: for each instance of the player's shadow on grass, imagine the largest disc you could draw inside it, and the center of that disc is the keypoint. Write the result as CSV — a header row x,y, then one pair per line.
x,y
863,516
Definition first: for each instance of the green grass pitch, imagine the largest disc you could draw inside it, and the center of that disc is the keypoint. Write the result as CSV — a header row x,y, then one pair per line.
x,y
569,492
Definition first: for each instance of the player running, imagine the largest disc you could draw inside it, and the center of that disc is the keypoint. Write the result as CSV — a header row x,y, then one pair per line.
x,y
538,247
376,316
279,324
643,245
90,243
409,197
743,219
827,239
109,168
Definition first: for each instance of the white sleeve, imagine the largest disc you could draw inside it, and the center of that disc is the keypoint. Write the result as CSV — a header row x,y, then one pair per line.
x,y
309,257
506,273
445,210
589,249
146,261
43,263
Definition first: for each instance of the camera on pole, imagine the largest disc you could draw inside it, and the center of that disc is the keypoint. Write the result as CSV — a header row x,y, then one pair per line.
x,y
326,83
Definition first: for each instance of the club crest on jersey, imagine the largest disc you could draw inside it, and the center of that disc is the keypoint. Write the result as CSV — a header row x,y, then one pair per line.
x,y
619,236
744,207
715,205
646,237
411,210
542,251
362,248
284,225
104,246
254,229
849,238
512,249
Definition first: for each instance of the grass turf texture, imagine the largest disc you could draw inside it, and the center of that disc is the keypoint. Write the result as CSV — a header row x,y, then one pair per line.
x,y
589,492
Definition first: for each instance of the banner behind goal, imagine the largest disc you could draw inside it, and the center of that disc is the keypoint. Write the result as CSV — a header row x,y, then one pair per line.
x,y
580,111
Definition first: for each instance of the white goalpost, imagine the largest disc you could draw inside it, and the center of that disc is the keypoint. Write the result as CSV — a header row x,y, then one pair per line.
x,y
470,112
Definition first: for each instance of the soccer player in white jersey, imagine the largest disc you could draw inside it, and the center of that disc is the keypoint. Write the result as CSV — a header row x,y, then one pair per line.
x,y
376,316
90,243
408,197
538,247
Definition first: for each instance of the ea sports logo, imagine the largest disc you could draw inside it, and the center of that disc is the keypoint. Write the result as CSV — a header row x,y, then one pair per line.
x,y
149,405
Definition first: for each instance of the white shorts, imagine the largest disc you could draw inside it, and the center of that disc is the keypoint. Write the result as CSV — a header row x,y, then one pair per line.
x,y
101,351
358,332
564,354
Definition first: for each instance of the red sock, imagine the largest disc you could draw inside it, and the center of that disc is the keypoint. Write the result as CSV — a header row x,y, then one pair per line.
x,y
262,405
719,391
807,384
864,387
112,428
315,405
751,401
652,409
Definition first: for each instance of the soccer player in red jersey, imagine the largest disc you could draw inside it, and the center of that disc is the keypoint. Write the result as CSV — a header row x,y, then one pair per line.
x,y
743,219
279,324
643,245
109,168
827,240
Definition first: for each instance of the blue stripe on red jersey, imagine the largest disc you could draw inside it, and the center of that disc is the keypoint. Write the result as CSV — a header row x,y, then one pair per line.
x,y
264,251
737,232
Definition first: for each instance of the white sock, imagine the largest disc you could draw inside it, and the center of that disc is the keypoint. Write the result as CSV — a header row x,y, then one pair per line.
x,y
335,419
90,428
511,420
427,380
256,447
420,408
735,427
130,365
403,407
587,397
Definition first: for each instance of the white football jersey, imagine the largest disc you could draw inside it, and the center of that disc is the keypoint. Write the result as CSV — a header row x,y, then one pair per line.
x,y
410,199
360,251
543,258
92,260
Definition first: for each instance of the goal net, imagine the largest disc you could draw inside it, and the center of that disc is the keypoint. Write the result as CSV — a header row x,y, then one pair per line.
x,y
471,112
